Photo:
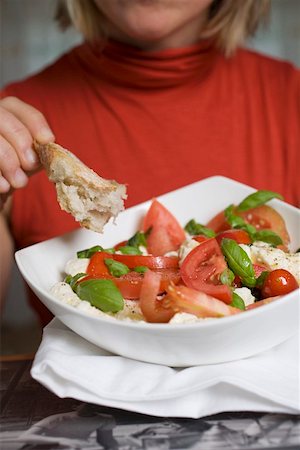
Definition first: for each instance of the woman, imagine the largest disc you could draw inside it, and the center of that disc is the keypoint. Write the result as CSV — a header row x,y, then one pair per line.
x,y
158,96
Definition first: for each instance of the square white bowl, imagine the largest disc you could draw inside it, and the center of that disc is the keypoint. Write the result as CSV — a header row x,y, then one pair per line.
x,y
213,341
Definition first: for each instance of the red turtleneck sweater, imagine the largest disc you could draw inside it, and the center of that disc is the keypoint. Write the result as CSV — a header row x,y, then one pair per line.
x,y
160,120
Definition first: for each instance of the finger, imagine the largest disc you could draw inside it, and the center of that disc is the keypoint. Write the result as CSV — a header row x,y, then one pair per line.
x,y
10,165
19,138
31,118
4,185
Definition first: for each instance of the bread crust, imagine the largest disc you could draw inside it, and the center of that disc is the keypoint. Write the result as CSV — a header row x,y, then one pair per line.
x,y
91,199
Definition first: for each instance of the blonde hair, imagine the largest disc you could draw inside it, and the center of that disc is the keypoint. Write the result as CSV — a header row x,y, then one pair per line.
x,y
230,22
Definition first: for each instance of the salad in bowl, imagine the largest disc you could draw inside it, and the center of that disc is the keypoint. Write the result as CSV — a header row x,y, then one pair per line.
x,y
168,272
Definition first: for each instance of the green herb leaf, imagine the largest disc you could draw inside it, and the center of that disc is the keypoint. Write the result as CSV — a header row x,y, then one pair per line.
x,y
139,238
194,228
129,250
256,199
116,268
267,236
72,280
261,279
140,269
237,302
238,261
101,293
88,252
227,277
238,222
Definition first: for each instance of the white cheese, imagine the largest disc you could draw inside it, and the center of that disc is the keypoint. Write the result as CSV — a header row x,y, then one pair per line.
x,y
274,258
77,265
184,318
246,295
186,247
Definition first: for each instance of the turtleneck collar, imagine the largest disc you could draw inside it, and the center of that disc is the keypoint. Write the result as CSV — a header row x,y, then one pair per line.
x,y
128,66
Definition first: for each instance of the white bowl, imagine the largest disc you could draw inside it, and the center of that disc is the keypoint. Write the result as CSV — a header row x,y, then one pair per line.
x,y
177,345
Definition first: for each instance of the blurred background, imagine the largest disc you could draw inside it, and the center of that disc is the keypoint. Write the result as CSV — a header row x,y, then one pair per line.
x,y
29,40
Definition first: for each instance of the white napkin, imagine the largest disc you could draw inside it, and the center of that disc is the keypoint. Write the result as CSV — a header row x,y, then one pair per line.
x,y
70,366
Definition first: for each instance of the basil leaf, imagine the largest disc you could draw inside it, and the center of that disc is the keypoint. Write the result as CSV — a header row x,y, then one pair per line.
x,y
88,252
233,220
238,261
116,268
256,199
129,250
72,280
139,238
237,302
227,277
238,222
261,279
140,269
101,293
267,236
194,228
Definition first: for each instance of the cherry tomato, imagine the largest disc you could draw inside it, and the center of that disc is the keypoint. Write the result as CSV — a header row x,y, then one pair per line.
x,y
184,299
152,262
201,270
131,283
278,282
153,309
240,236
166,233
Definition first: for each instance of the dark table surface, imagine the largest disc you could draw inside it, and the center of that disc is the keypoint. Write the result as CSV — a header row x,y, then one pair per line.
x,y
34,418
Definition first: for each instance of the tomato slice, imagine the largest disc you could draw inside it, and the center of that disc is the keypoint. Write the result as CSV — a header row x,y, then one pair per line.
x,y
201,270
97,265
200,238
262,217
266,217
153,310
152,262
131,283
166,233
240,236
184,299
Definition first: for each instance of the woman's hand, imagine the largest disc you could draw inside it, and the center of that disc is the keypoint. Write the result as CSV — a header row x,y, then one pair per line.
x,y
20,123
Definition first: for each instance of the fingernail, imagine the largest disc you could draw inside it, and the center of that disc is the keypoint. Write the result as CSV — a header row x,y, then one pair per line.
x,y
45,135
31,156
20,179
4,185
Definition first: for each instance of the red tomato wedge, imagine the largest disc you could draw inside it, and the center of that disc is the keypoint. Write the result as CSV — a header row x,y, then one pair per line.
x,y
200,238
201,270
152,262
97,265
240,236
261,217
184,299
166,233
262,302
131,283
153,309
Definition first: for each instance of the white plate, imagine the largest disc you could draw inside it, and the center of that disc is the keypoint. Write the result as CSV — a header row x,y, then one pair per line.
x,y
177,345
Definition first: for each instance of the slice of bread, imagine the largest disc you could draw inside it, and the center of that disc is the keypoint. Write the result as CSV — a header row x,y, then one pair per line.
x,y
90,199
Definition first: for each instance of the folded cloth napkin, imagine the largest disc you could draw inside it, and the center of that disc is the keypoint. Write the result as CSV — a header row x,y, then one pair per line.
x,y
70,366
